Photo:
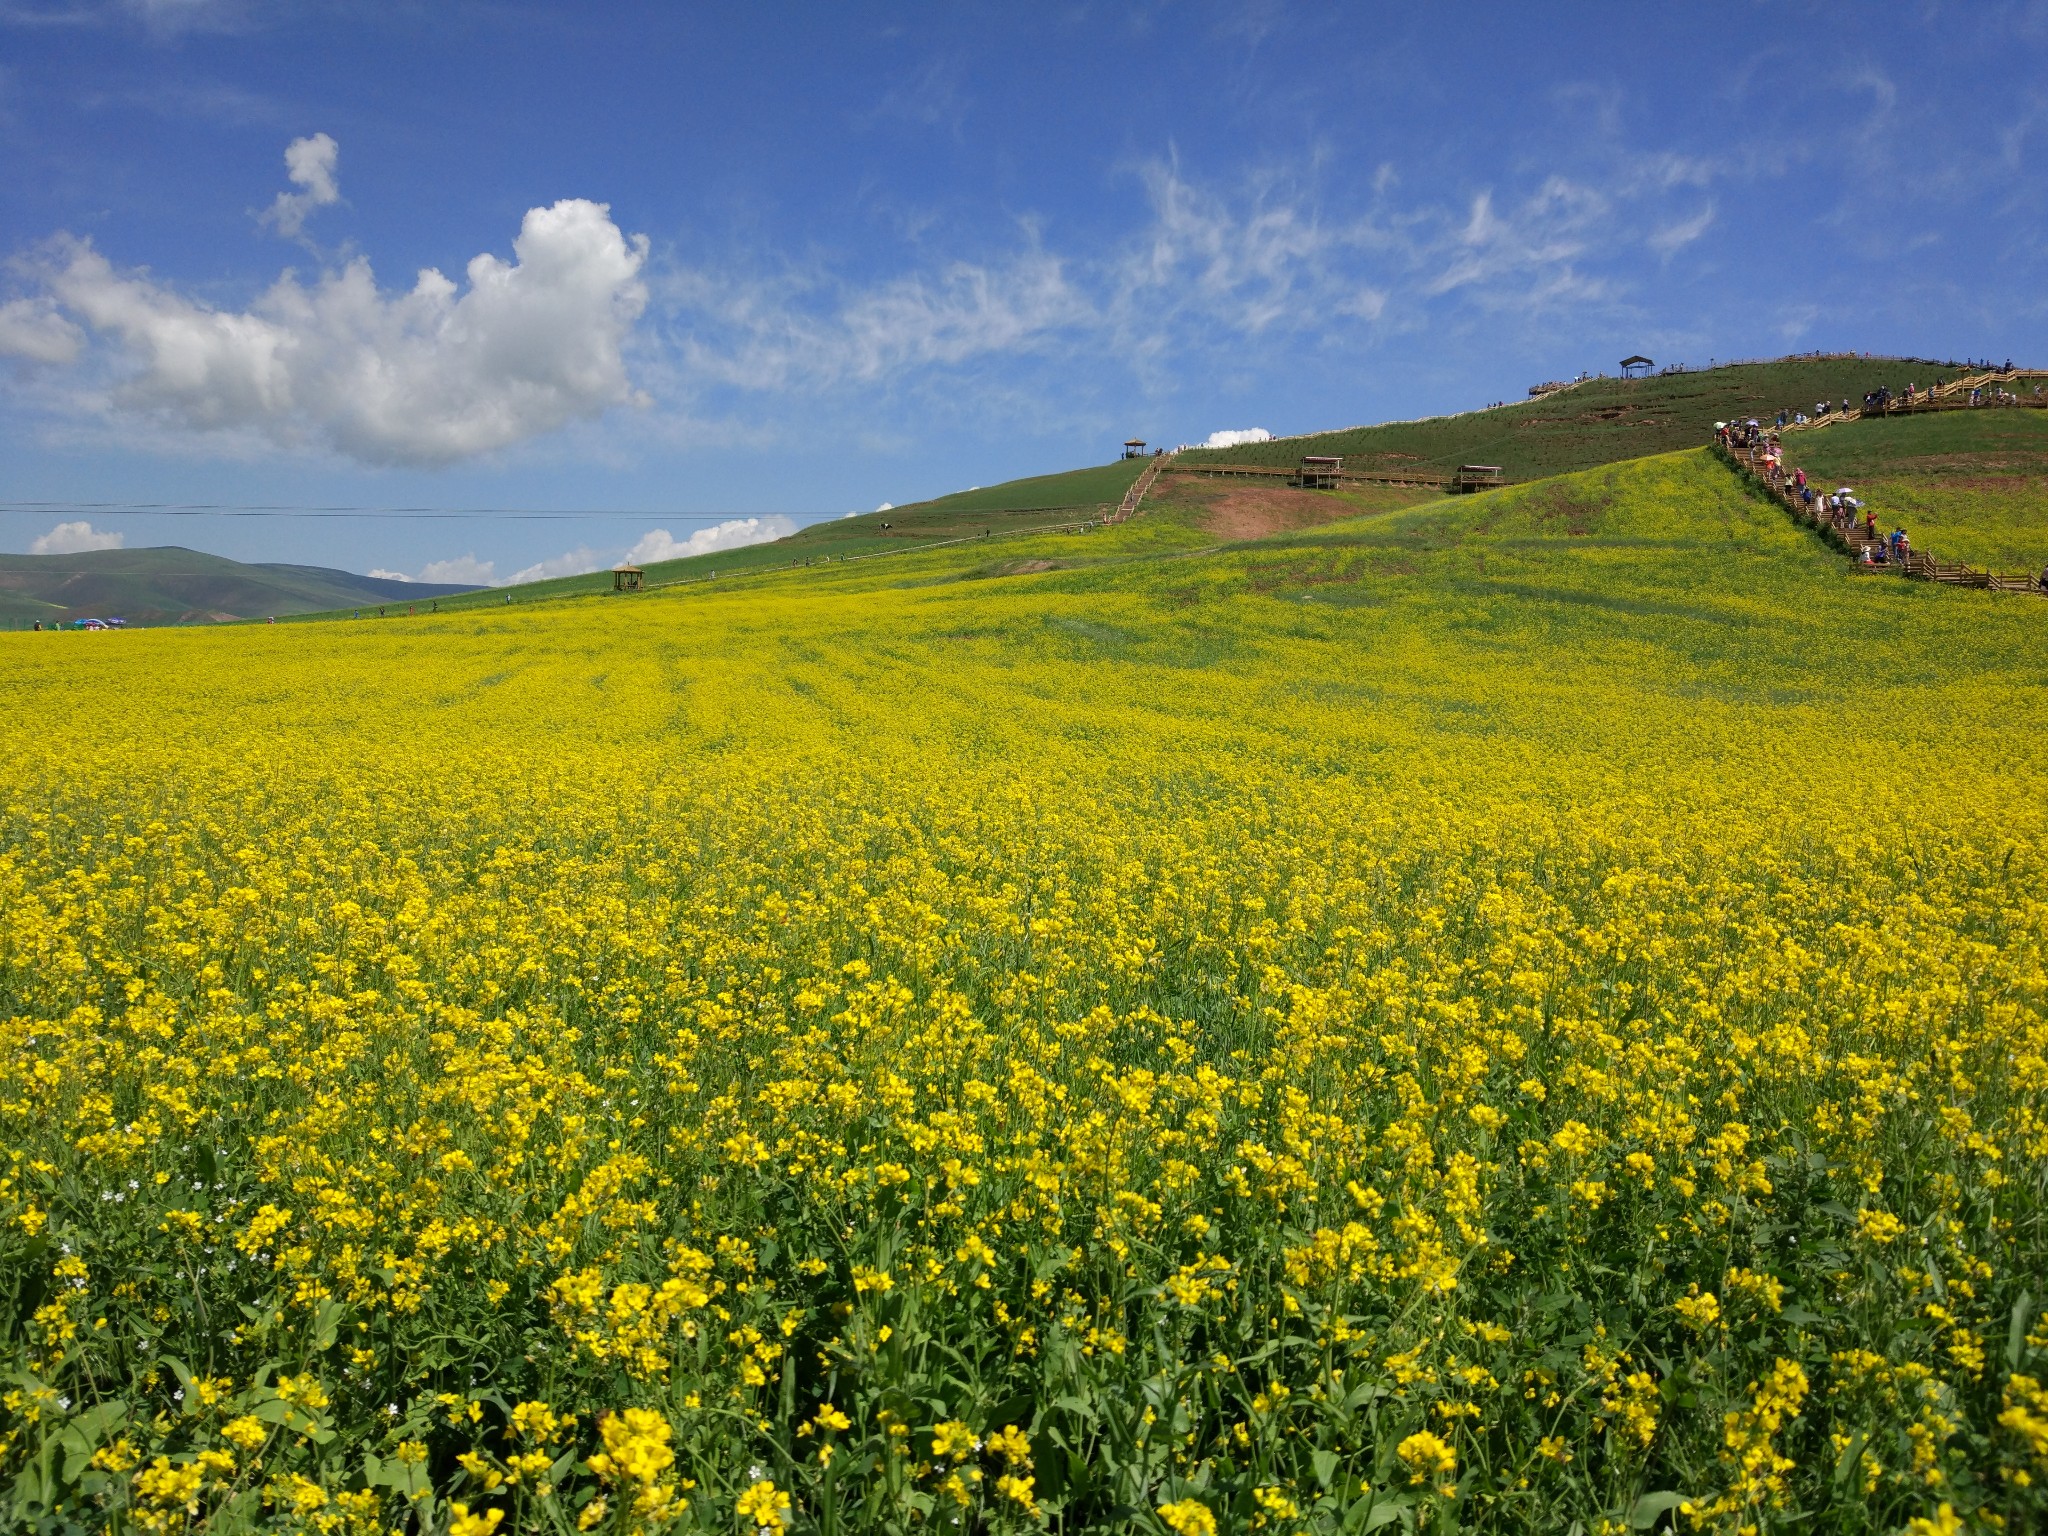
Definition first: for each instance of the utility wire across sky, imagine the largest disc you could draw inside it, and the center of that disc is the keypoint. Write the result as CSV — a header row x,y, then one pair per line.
x,y
216,509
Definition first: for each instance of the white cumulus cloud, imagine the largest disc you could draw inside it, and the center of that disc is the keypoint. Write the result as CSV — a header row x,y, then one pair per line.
x,y
310,164
75,539
33,329
1233,437
430,376
466,570
463,570
580,561
735,533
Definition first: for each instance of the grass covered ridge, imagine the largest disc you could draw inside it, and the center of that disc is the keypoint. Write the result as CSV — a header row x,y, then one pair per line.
x,y
1599,422
1070,496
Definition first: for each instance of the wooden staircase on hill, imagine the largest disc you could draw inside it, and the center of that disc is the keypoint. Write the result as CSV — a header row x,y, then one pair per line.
x,y
1860,544
1135,496
1952,396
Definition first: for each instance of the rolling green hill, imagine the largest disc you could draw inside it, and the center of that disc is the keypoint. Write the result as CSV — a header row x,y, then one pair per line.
x,y
182,586
1072,495
1964,480
1599,422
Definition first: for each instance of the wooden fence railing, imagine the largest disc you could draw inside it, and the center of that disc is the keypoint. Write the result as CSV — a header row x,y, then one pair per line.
x,y
1422,477
1952,396
1135,496
1861,543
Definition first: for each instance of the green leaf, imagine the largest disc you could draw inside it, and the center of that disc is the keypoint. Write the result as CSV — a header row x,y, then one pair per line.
x,y
2016,1331
1651,1506
1369,1512
1325,1465
326,1323
81,1436
1845,1464
183,1372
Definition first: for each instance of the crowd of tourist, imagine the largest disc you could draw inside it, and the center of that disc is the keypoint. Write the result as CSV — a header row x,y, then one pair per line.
x,y
1853,522
1840,510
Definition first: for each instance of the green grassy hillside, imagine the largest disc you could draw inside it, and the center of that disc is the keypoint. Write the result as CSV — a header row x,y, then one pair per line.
x,y
1966,485
1668,538
1069,496
182,586
1599,422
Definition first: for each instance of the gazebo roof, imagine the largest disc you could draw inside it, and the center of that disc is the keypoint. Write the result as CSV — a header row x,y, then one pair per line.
x,y
1630,362
628,570
1134,442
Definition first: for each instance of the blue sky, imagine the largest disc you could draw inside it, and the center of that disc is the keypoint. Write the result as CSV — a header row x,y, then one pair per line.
x,y
720,267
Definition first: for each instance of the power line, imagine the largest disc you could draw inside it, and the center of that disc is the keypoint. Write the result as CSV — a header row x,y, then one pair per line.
x,y
223,509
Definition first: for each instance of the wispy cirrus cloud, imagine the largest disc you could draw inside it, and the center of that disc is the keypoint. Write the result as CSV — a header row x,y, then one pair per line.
x,y
1208,267
164,19
808,330
1669,239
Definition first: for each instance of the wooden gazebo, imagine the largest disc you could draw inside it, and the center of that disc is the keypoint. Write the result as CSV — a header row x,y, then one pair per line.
x,y
1134,447
626,578
1635,367
1319,472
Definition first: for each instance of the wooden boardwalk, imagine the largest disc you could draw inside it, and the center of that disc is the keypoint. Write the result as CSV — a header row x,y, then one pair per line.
x,y
1856,541
1952,396
1433,479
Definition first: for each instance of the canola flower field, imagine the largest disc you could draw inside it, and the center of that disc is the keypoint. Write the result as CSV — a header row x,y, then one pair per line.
x,y
1520,1015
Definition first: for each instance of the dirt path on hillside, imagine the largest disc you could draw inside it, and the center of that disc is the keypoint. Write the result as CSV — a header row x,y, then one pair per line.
x,y
1256,511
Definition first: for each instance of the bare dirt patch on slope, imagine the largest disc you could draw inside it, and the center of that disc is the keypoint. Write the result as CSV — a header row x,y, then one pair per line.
x,y
1235,511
